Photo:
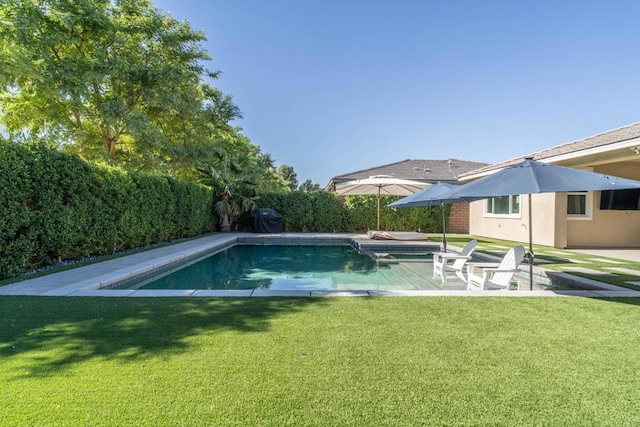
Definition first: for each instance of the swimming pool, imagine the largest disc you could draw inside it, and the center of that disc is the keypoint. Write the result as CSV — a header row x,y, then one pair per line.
x,y
301,267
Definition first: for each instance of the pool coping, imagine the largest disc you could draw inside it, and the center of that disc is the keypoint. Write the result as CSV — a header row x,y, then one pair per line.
x,y
95,279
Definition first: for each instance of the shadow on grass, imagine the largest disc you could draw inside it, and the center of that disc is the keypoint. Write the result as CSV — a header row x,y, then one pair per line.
x,y
52,334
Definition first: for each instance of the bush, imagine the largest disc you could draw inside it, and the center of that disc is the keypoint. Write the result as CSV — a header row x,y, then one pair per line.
x,y
57,207
324,211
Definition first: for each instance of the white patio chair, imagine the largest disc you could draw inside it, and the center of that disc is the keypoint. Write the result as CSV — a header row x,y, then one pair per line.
x,y
454,262
496,276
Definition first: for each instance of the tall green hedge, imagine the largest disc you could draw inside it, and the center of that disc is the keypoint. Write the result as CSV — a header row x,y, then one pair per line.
x,y
325,212
58,207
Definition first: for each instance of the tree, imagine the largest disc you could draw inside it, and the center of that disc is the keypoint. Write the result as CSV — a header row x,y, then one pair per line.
x,y
289,176
309,186
233,186
204,135
116,81
120,82
270,180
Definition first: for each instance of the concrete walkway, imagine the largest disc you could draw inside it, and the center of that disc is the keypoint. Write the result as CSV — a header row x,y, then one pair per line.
x,y
90,280
632,254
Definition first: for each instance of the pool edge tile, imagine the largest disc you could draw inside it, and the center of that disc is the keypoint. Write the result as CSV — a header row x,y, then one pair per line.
x,y
162,293
340,293
239,293
275,293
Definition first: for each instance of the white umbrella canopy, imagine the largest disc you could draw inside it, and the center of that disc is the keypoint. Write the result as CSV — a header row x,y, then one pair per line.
x,y
380,184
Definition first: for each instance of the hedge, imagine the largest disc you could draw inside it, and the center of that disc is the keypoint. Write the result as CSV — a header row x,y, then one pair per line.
x,y
58,207
326,212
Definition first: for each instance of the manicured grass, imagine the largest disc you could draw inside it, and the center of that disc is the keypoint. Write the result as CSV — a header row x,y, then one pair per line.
x,y
319,361
558,262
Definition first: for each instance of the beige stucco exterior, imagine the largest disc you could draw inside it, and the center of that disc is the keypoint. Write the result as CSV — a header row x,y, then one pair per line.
x,y
516,227
552,227
608,228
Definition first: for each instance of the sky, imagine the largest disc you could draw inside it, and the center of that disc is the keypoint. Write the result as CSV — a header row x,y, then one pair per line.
x,y
336,86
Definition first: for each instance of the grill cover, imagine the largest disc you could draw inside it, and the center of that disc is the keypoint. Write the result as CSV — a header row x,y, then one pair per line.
x,y
267,220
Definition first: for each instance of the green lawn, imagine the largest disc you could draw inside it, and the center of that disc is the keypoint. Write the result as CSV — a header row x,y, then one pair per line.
x,y
319,361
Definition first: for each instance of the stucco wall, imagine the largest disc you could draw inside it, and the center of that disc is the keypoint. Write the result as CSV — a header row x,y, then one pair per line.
x,y
629,170
517,229
608,228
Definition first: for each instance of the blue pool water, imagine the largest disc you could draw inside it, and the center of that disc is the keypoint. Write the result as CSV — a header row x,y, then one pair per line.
x,y
293,267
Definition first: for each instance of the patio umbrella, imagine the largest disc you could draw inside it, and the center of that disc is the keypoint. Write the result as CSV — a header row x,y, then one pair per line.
x,y
379,184
429,197
532,177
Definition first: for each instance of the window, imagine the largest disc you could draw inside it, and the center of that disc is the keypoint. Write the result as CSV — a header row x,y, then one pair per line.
x,y
503,206
578,203
620,200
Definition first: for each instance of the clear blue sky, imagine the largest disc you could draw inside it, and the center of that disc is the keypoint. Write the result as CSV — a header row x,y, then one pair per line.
x,y
334,86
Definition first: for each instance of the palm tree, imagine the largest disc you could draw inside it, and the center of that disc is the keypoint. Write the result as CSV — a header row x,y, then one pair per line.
x,y
233,183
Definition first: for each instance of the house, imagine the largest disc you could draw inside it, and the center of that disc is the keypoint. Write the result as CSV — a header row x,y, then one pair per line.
x,y
430,171
570,220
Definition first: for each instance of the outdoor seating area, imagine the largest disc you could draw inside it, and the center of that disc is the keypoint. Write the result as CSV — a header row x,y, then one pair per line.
x,y
483,276
479,275
444,262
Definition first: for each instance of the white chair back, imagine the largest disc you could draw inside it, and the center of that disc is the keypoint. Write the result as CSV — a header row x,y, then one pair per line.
x,y
511,261
466,251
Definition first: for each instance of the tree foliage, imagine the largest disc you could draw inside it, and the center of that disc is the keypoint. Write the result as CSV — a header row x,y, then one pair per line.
x,y
114,81
122,83
232,182
289,175
309,186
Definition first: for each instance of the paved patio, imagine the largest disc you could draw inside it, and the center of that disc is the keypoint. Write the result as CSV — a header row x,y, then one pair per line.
x,y
626,254
88,280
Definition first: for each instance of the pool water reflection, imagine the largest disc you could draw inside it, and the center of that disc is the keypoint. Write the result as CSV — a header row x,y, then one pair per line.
x,y
297,267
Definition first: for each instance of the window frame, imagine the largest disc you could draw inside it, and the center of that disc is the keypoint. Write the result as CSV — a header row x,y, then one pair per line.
x,y
588,206
511,213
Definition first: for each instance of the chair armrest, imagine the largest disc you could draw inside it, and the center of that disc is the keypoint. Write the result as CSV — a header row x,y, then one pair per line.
x,y
486,268
500,270
454,256
440,253
481,265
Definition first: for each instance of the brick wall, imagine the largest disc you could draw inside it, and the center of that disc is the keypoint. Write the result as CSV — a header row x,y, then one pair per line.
x,y
459,218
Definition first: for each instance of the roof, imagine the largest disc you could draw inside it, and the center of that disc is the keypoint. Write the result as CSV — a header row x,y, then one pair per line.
x,y
589,150
430,171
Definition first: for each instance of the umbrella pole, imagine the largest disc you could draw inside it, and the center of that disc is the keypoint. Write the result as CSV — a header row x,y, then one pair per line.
x,y
530,247
444,233
378,209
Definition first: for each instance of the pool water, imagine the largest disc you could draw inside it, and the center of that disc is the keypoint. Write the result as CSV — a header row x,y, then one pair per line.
x,y
294,267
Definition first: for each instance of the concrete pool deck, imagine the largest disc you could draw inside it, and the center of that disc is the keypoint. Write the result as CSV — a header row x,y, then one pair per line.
x,y
88,280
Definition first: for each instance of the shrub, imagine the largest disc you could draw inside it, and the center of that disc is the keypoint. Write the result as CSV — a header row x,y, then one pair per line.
x,y
57,207
324,211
